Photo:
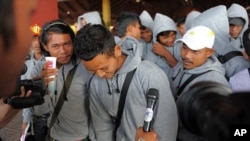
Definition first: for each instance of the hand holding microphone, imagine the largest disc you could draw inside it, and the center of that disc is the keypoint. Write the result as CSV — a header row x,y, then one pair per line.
x,y
152,97
145,136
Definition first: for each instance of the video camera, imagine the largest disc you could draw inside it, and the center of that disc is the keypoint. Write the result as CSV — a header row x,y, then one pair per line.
x,y
36,86
211,110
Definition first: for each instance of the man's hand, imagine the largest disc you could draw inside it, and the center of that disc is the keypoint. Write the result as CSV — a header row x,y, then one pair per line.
x,y
47,73
159,49
8,112
145,136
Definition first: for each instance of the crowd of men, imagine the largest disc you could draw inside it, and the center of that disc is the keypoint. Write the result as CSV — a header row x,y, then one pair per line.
x,y
103,78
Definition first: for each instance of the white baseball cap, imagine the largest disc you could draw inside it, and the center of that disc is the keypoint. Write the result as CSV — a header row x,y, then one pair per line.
x,y
198,37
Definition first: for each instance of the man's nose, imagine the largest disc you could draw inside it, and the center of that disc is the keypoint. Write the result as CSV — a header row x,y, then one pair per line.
x,y
100,73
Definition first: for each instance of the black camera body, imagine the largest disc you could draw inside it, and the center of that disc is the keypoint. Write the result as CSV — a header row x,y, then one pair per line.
x,y
38,91
210,110
36,86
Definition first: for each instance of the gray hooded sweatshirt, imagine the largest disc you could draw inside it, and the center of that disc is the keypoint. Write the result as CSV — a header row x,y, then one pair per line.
x,y
236,10
161,23
131,45
189,19
72,122
105,94
146,19
216,19
214,72
90,17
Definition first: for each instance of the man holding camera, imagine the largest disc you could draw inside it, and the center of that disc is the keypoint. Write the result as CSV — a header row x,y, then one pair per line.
x,y
14,46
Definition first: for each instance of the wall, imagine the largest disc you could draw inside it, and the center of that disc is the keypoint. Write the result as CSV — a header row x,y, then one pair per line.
x,y
46,10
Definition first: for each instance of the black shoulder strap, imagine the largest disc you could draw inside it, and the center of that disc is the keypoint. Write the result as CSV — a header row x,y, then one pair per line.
x,y
62,97
224,58
191,78
122,99
249,70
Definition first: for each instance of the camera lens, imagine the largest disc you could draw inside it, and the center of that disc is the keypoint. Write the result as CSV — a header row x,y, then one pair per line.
x,y
194,104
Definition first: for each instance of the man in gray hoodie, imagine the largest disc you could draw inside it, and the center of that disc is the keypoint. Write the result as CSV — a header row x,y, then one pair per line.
x,y
111,63
128,29
70,122
216,18
198,64
164,53
146,34
238,21
197,59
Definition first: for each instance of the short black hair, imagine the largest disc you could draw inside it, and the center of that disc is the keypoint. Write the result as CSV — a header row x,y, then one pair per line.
x,y
246,41
56,26
124,20
92,40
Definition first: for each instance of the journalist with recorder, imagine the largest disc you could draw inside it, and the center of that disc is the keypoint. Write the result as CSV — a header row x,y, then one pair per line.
x,y
14,46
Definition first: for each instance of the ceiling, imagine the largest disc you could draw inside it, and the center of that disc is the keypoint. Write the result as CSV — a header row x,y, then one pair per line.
x,y
69,10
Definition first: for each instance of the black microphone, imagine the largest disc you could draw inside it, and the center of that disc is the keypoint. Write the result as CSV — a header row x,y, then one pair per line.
x,y
152,97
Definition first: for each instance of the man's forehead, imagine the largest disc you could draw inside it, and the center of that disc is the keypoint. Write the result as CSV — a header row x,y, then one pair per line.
x,y
97,62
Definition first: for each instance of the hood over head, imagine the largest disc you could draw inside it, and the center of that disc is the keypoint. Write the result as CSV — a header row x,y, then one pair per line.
x,y
237,21
146,20
216,19
190,17
238,11
162,23
90,17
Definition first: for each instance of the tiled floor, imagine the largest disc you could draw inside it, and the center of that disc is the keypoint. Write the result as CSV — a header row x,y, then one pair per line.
x,y
12,131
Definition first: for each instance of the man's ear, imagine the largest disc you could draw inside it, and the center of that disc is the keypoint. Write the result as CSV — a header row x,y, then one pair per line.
x,y
130,28
117,51
210,52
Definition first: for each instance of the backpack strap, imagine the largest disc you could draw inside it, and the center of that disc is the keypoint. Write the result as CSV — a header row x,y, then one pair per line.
x,y
122,99
61,99
224,58
191,78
